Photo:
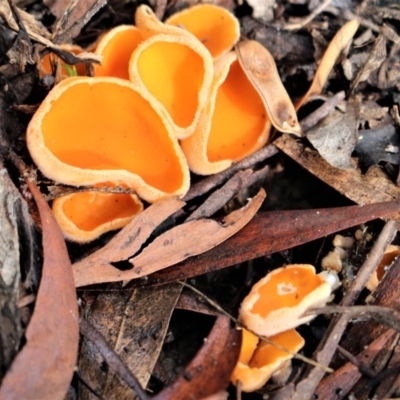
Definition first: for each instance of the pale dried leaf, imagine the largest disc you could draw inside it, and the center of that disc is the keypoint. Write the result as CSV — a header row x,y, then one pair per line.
x,y
192,238
338,44
127,242
259,66
175,245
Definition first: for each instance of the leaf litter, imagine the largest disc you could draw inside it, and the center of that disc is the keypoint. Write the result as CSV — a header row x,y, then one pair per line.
x,y
134,319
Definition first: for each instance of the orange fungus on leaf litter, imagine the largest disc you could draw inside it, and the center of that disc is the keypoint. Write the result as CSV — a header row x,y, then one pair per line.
x,y
84,216
278,301
256,367
94,130
173,71
233,124
116,48
214,26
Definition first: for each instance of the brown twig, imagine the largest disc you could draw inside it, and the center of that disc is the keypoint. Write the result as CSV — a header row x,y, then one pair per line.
x,y
311,120
112,359
206,184
362,367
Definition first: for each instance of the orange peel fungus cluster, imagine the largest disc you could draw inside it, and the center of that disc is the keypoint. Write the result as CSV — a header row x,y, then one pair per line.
x,y
158,83
273,308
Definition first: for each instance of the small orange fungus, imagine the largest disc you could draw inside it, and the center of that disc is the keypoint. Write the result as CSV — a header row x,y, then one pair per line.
x,y
173,70
84,216
256,367
390,255
116,48
174,73
214,26
48,62
234,123
93,130
278,301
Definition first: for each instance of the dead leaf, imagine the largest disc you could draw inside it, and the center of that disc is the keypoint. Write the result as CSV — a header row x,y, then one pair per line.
x,y
128,241
44,367
374,61
260,68
192,238
346,377
340,42
270,232
72,16
134,323
335,137
183,241
362,189
378,145
209,372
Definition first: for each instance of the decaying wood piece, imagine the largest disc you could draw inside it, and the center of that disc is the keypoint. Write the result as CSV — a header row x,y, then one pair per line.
x,y
362,189
10,274
344,378
210,370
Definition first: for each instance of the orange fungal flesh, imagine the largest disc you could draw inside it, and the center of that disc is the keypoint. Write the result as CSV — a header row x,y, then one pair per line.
x,y
89,210
285,289
104,125
266,353
239,118
249,344
214,26
173,73
117,47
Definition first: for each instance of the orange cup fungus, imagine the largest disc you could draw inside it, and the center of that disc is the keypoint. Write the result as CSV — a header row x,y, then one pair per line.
x,y
84,216
93,130
259,360
278,302
174,72
116,48
234,123
212,25
390,255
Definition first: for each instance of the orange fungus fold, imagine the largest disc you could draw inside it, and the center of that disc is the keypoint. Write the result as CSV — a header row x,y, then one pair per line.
x,y
93,130
84,216
214,26
234,123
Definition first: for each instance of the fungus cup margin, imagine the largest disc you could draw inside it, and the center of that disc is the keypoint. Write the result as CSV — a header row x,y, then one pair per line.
x,y
275,304
173,163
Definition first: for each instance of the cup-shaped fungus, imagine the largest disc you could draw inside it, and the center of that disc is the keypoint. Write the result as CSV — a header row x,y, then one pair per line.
x,y
233,124
390,255
214,26
278,301
116,48
174,73
93,130
260,360
84,216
